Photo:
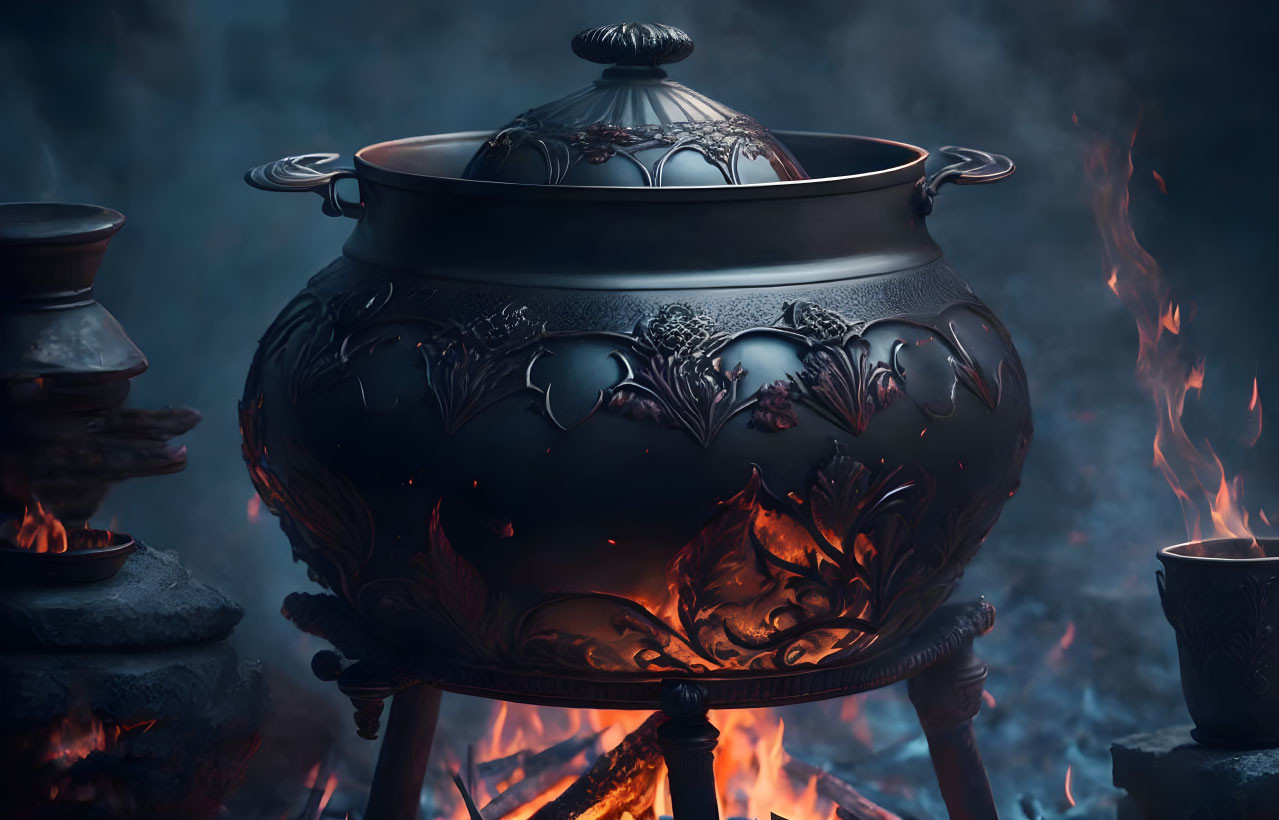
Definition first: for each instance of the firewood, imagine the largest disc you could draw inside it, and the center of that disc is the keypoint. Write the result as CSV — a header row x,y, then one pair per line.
x,y
534,762
541,772
500,767
850,804
623,780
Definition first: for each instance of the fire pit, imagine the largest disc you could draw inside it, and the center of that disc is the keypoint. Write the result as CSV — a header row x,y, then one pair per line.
x,y
665,410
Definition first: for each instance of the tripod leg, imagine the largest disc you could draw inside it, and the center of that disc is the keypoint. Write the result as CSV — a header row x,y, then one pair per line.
x,y
946,697
688,743
401,764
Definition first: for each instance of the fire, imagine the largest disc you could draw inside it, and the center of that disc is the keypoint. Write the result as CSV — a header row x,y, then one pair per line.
x,y
1070,797
75,737
253,509
1169,367
1252,430
40,531
751,763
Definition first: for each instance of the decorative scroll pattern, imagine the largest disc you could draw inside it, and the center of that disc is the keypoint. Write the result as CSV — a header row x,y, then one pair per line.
x,y
772,582
723,143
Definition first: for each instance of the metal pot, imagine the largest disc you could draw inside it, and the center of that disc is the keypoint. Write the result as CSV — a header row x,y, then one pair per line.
x,y
1218,597
561,431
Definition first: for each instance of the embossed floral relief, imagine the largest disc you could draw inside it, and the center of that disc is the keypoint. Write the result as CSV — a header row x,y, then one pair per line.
x,y
680,379
823,575
673,365
770,582
723,144
327,522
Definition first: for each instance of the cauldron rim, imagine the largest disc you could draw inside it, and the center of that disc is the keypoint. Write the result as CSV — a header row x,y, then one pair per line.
x,y
372,166
1175,553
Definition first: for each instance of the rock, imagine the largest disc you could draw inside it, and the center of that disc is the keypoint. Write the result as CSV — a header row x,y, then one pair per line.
x,y
152,601
1170,777
167,732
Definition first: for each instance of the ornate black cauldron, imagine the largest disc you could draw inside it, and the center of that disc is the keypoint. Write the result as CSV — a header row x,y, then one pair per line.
x,y
635,388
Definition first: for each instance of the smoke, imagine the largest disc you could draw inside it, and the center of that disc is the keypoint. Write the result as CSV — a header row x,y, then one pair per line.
x,y
155,107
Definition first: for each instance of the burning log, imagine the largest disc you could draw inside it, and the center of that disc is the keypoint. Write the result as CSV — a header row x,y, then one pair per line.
x,y
500,767
541,772
533,762
850,804
622,781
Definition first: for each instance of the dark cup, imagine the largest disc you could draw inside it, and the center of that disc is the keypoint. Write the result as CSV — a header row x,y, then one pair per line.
x,y
1222,601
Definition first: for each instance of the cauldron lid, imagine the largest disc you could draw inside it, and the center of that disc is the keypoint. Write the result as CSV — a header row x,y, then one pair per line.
x,y
633,127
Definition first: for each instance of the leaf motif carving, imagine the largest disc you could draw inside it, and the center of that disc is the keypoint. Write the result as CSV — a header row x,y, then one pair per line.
x,y
470,367
843,384
450,579
769,582
680,381
326,519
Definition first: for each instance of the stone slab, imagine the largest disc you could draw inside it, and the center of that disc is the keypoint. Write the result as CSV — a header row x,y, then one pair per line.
x,y
1168,776
152,601
175,729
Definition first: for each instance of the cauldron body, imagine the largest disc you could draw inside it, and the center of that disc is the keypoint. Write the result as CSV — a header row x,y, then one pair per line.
x,y
639,432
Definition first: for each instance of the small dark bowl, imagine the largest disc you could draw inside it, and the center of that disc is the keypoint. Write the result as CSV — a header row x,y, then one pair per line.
x,y
1222,600
80,564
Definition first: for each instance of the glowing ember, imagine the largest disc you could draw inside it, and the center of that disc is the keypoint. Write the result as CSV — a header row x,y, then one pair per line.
x,y
1168,366
40,531
75,737
254,508
1070,797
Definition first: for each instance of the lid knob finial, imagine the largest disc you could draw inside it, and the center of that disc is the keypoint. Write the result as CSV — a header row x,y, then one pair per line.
x,y
633,44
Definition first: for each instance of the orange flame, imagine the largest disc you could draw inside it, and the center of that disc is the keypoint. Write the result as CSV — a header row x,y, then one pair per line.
x,y
41,531
1252,429
750,759
253,509
75,737
1168,367
1070,797
330,786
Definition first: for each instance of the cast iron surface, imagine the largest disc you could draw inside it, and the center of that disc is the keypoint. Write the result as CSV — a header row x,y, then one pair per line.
x,y
638,433
1220,598
633,44
633,126
479,468
368,669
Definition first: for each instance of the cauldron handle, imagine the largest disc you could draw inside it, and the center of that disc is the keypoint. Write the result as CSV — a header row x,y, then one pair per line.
x,y
305,173
971,167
